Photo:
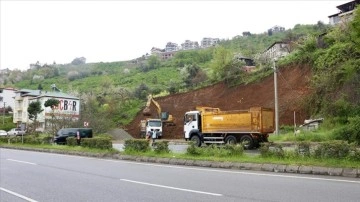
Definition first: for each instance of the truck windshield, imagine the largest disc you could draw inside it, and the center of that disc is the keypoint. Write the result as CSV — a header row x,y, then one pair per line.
x,y
155,123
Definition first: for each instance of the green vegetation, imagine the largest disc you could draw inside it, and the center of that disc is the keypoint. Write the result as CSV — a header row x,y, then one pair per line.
x,y
8,122
116,91
328,154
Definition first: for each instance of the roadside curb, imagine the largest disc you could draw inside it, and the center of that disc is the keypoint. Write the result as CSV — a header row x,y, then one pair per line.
x,y
267,167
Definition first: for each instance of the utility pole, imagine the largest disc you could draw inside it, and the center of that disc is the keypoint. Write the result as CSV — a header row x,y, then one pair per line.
x,y
276,101
4,114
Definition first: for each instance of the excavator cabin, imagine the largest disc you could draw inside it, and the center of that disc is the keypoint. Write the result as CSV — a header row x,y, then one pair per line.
x,y
165,117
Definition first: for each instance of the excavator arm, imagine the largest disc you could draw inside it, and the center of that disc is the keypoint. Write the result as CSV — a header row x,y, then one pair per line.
x,y
164,116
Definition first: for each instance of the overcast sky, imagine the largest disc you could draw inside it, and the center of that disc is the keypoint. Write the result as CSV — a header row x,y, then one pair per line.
x,y
107,31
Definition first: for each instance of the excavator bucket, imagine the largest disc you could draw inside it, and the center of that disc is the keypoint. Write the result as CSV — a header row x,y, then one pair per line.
x,y
147,111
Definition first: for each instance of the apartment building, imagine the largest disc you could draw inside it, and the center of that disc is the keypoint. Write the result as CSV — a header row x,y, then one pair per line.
x,y
207,42
277,28
68,108
170,47
189,45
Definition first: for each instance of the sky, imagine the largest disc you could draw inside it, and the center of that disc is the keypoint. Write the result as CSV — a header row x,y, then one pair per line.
x,y
108,31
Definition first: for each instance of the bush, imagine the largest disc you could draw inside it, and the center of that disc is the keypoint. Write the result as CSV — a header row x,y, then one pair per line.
x,y
303,149
71,141
332,149
4,139
271,150
97,143
265,149
354,153
216,150
349,132
47,140
31,140
193,149
136,145
234,150
161,147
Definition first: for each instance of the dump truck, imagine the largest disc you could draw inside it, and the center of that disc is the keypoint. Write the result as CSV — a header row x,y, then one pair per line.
x,y
165,117
147,126
212,126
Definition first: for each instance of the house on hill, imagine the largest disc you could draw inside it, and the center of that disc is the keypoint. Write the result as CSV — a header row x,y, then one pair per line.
x,y
276,50
67,110
249,63
345,12
207,42
170,47
189,45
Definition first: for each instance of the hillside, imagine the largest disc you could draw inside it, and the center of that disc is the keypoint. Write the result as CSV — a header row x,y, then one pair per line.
x,y
293,85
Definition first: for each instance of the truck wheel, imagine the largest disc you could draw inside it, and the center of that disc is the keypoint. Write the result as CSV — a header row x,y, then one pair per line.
x,y
247,141
230,139
196,140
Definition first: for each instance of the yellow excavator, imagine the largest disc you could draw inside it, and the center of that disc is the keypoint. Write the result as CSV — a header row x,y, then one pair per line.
x,y
165,117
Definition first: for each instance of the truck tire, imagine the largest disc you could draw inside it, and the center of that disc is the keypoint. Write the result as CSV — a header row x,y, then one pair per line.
x,y
230,139
196,140
247,142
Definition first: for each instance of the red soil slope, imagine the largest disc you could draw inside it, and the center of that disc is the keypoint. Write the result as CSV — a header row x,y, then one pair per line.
x,y
292,82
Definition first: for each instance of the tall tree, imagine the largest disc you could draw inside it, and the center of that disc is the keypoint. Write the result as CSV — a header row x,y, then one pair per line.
x,y
34,110
222,57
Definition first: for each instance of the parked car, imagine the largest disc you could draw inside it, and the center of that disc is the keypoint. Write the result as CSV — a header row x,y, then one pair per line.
x,y
16,131
3,133
62,134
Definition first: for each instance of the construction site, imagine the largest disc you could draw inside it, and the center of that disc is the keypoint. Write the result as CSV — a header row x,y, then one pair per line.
x,y
292,86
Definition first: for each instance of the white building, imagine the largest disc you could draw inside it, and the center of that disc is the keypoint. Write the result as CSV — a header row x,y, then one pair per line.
x,y
277,50
7,97
189,45
171,47
69,107
207,42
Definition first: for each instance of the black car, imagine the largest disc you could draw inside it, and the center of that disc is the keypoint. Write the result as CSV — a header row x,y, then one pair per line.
x,y
62,134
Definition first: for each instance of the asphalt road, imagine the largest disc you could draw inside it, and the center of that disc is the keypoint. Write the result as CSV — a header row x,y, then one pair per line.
x,y
37,176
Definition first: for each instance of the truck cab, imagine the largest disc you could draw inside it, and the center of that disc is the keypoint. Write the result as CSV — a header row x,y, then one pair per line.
x,y
191,124
154,125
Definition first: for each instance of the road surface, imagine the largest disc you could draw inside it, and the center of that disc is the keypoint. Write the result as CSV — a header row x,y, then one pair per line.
x,y
37,176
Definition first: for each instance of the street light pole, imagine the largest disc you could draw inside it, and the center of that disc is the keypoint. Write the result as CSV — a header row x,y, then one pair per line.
x,y
276,101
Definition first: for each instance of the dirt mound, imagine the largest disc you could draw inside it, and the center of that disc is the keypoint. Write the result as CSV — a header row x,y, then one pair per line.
x,y
119,134
292,82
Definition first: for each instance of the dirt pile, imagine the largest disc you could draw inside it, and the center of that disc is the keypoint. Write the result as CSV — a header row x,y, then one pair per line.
x,y
293,83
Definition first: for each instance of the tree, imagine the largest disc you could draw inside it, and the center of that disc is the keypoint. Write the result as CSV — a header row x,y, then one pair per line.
x,y
222,57
153,62
40,87
79,61
51,103
34,110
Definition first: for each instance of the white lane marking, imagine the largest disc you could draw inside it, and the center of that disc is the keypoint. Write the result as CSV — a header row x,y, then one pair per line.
x,y
245,173
18,195
209,170
168,187
21,161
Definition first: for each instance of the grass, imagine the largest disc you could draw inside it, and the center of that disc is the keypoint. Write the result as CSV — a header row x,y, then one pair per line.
x,y
245,158
312,136
61,148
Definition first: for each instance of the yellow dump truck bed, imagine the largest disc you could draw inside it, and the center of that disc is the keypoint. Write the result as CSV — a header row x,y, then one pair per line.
x,y
254,120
